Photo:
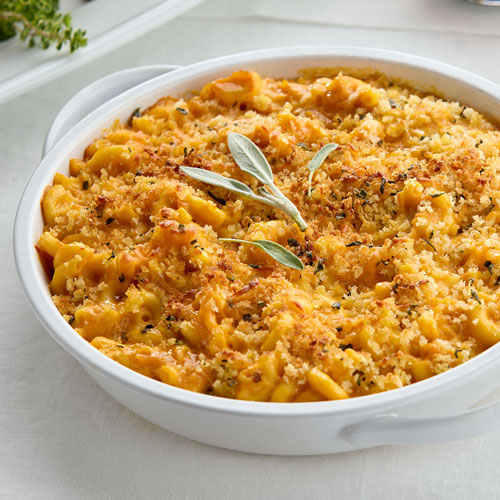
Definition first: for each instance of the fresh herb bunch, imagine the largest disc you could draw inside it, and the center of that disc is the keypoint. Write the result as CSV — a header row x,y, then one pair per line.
x,y
39,22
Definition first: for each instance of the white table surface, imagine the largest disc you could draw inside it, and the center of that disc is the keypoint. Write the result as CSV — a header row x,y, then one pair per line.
x,y
62,437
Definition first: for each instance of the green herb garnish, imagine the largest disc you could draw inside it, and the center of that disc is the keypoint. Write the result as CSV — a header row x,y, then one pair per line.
x,y
303,145
274,250
436,195
474,295
430,244
220,201
39,21
345,346
318,160
382,185
488,265
251,160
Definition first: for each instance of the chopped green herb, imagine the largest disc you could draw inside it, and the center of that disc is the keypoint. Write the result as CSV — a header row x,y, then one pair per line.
x,y
147,327
341,215
220,201
457,351
475,296
182,111
85,185
488,265
320,266
430,244
303,145
345,346
354,244
109,220
336,305
382,185
436,195
361,193
121,278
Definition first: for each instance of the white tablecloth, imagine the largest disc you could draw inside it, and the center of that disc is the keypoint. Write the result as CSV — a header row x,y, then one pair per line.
x,y
62,437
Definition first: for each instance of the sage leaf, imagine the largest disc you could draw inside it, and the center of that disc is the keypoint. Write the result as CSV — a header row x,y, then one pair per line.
x,y
318,160
276,251
249,157
218,180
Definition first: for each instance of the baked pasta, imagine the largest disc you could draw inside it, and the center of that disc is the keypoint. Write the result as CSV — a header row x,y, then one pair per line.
x,y
401,255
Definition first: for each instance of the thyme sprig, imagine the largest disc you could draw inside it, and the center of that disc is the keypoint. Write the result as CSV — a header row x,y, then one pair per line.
x,y
39,22
250,159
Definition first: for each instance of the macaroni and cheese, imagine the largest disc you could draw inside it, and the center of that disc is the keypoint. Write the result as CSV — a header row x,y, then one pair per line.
x,y
401,255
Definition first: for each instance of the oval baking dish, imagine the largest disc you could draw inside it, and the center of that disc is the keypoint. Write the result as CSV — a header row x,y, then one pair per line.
x,y
430,410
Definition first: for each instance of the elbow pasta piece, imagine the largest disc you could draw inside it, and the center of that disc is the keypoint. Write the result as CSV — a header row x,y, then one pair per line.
x,y
284,392
115,159
55,203
409,197
49,243
257,382
345,92
401,262
421,369
482,327
204,211
239,87
324,385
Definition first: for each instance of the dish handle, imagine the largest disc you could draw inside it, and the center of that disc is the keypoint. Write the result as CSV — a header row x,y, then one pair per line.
x,y
393,429
96,94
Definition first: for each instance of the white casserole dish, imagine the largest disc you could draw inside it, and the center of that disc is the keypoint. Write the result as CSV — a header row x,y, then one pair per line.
x,y
431,410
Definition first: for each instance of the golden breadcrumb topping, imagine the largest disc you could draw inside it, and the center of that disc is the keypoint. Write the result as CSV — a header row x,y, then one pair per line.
x,y
401,255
